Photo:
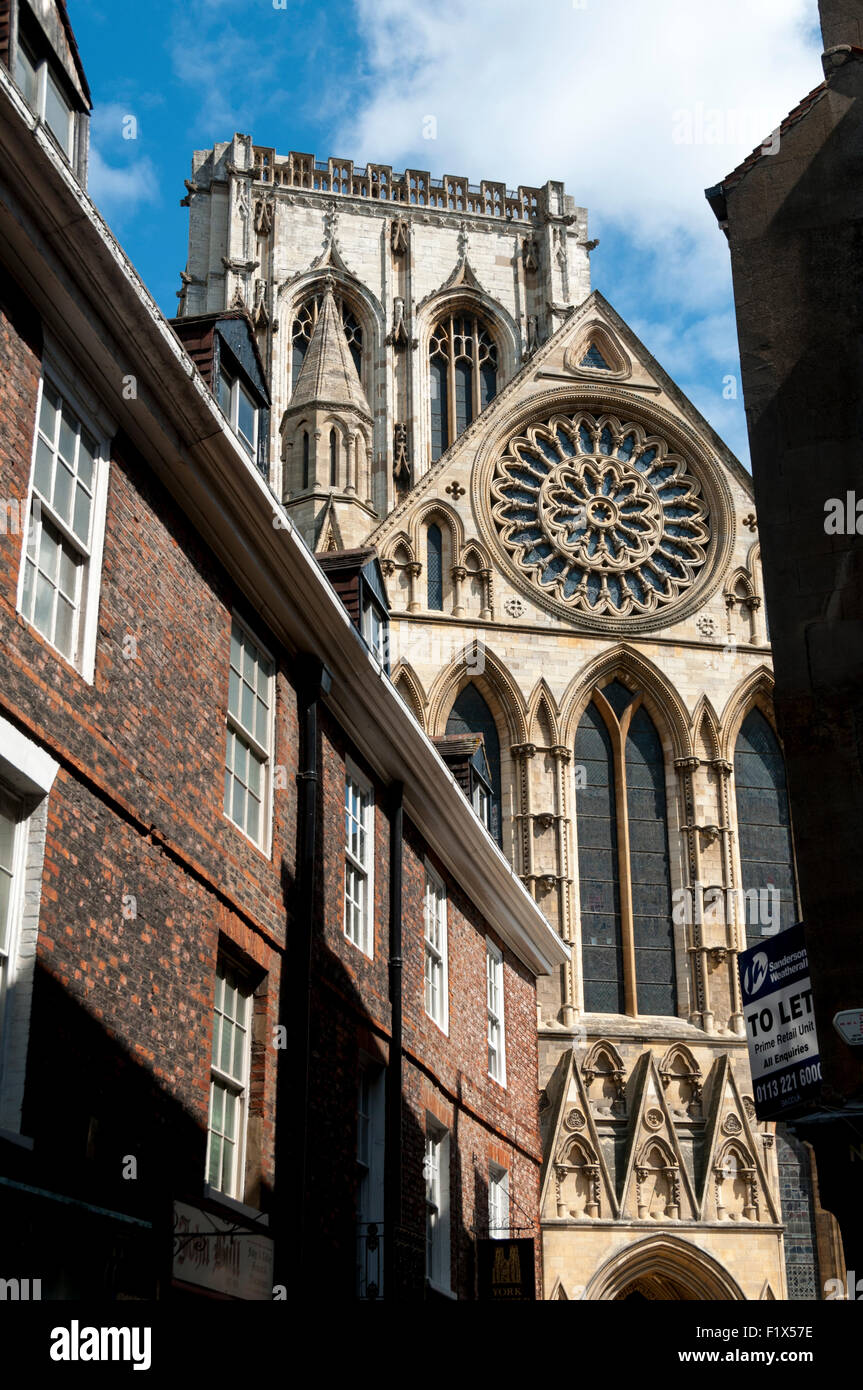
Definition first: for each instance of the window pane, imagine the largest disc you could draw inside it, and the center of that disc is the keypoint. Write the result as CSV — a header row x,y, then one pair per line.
x,y
65,626
214,1169
68,572
68,435
62,499
25,76
249,653
57,113
246,415
225,393
42,470
44,612
247,707
27,600
81,518
86,459
48,413
49,551
261,723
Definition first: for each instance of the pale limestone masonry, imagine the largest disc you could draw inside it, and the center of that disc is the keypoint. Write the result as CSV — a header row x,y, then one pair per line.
x,y
657,1177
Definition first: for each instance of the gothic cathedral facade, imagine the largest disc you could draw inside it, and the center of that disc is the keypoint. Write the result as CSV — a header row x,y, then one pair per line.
x,y
572,562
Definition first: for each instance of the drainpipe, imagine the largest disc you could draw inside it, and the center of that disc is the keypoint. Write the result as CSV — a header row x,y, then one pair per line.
x,y
293,1086
393,1128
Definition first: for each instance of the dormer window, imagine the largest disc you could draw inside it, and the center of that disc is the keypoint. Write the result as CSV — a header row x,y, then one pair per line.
x,y
43,93
357,579
239,407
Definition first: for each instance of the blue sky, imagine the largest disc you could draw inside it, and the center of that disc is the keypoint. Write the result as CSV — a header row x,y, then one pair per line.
x,y
637,105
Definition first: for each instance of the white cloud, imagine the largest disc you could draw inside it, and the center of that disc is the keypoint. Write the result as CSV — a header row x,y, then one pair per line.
x,y
603,97
637,105
121,189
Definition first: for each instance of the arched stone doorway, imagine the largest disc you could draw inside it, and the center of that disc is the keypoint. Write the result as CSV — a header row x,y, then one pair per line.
x,y
662,1268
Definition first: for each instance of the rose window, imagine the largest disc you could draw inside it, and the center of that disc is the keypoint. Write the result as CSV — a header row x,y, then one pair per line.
x,y
603,516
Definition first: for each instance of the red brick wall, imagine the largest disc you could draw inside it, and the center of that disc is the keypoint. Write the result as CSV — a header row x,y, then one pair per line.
x,y
137,810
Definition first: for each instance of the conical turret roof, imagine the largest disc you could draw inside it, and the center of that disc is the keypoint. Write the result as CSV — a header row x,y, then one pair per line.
x,y
328,375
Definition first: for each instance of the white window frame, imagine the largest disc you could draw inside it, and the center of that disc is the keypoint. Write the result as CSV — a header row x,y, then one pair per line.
x,y
27,774
495,1025
229,1082
355,866
435,953
264,751
83,656
436,1174
498,1202
233,386
482,803
44,73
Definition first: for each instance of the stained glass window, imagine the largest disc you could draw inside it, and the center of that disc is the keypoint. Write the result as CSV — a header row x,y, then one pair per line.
x,y
649,869
462,376
764,830
629,920
434,568
601,943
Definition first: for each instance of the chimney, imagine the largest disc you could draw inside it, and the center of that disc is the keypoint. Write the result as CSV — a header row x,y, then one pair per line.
x,y
841,22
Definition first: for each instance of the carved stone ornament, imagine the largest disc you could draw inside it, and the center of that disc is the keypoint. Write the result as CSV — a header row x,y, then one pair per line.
x,y
514,608
263,216
732,1125
400,236
749,1107
402,472
653,1118
575,1120
600,515
706,626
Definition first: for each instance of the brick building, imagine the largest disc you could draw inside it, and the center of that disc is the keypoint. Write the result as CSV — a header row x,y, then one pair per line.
x,y
268,999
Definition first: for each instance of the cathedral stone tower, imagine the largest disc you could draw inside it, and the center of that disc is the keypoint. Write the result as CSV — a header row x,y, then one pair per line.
x,y
326,438
573,569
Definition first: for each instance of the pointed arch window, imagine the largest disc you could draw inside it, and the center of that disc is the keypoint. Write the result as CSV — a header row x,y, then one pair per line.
x,y
764,830
462,376
334,458
305,458
434,568
303,326
471,715
626,924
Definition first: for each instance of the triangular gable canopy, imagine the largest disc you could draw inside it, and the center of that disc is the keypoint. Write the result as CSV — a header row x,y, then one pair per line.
x,y
538,372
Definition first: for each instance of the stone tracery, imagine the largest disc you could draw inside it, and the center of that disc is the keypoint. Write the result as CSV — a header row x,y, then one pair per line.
x,y
603,516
